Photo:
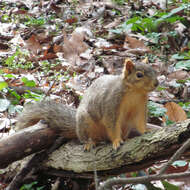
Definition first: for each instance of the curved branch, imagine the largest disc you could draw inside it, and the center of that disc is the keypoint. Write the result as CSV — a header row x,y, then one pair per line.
x,y
135,180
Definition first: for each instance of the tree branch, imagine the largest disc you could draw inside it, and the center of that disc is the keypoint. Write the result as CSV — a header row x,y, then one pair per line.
x,y
134,180
178,153
135,154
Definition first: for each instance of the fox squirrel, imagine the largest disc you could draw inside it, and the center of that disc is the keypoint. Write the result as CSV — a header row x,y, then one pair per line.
x,y
110,108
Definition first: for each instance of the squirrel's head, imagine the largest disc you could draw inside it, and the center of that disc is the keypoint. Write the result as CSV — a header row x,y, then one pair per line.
x,y
140,76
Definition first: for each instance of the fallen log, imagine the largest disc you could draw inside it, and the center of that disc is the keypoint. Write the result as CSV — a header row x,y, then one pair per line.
x,y
70,159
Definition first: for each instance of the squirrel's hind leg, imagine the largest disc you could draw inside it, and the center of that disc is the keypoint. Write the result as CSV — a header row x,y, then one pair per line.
x,y
85,131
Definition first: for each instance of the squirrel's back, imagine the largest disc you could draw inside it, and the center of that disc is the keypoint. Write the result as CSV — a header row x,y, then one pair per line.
x,y
103,93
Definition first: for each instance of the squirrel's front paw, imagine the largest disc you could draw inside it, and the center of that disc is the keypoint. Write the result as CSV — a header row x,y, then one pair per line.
x,y
116,143
89,145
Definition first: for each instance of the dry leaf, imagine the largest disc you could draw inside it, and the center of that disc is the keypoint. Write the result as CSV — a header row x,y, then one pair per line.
x,y
137,51
73,47
77,40
178,75
177,169
57,48
71,20
175,112
113,24
134,45
57,9
48,54
3,46
22,12
33,44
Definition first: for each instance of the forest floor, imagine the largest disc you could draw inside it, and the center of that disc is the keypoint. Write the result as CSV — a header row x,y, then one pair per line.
x,y
55,49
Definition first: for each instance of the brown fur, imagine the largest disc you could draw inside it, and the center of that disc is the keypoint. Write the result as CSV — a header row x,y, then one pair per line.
x,y
110,108
113,105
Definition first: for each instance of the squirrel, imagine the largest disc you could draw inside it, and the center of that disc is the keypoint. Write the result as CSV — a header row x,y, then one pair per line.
x,y
109,109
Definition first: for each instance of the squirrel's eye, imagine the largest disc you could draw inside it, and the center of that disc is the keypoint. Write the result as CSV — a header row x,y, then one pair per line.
x,y
139,74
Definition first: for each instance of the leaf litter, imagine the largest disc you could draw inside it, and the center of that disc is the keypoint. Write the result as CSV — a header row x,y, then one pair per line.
x,y
65,45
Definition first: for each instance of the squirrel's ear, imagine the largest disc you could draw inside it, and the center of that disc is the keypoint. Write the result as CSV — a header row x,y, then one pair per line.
x,y
128,67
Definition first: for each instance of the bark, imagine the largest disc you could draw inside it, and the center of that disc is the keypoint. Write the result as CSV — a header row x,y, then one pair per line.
x,y
24,143
135,154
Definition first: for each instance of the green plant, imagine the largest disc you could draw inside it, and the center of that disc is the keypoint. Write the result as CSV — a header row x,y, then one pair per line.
x,y
31,186
30,21
27,82
155,110
10,60
169,186
186,107
5,18
17,60
3,85
33,96
119,2
16,96
149,24
75,2
180,56
183,65
184,62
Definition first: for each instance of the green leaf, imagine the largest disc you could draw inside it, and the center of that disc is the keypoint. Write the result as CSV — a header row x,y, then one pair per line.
x,y
139,187
181,56
185,106
179,163
169,186
155,109
33,96
15,109
171,13
28,186
3,85
168,122
9,76
133,20
4,104
15,94
9,61
29,83
39,188
183,65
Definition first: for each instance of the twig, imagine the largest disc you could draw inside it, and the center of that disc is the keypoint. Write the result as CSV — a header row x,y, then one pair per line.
x,y
134,180
48,92
175,156
95,176
166,4
109,183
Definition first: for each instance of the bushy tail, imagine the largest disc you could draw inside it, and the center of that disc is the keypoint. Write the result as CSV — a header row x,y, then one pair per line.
x,y
57,115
